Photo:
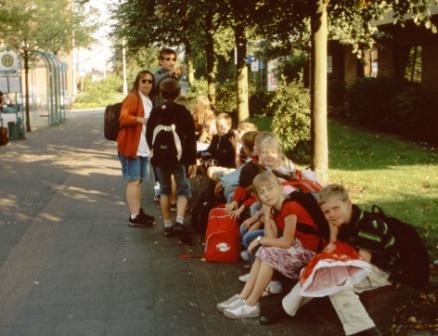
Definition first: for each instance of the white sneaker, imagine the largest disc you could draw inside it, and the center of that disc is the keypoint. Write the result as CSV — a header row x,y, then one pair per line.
x,y
232,302
244,255
243,311
244,277
274,287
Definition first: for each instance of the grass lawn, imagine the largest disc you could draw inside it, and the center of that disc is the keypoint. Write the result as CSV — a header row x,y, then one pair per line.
x,y
400,176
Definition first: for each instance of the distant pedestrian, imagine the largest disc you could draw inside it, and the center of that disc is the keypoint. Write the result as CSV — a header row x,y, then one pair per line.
x,y
132,146
175,118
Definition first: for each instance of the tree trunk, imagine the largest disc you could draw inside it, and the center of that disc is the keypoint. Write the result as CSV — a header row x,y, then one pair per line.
x,y
211,59
189,61
26,89
242,73
319,134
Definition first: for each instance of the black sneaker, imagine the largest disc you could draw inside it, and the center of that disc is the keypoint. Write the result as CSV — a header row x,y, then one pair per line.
x,y
183,232
139,222
168,231
147,218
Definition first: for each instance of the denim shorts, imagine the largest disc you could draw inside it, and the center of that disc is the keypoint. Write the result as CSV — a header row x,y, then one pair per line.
x,y
134,169
183,187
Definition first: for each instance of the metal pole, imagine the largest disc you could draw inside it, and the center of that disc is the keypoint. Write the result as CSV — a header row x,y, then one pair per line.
x,y
125,80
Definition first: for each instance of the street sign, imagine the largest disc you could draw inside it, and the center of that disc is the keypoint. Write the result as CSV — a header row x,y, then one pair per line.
x,y
250,59
255,65
9,63
10,71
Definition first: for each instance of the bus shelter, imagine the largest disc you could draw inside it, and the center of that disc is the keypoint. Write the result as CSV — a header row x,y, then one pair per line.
x,y
56,87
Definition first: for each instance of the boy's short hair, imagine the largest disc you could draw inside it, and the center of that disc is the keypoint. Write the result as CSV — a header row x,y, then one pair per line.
x,y
246,126
170,88
249,171
264,178
166,51
209,118
333,190
226,117
248,139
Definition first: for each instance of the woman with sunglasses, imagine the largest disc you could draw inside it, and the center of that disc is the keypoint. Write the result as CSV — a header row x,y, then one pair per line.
x,y
132,146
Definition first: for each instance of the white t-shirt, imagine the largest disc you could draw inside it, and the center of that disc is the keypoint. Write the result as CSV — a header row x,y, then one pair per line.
x,y
143,148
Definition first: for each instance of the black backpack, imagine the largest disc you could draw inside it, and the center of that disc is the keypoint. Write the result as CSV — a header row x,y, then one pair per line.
x,y
166,143
308,201
414,259
111,121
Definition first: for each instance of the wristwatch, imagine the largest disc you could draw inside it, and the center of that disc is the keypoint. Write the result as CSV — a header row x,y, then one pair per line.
x,y
259,239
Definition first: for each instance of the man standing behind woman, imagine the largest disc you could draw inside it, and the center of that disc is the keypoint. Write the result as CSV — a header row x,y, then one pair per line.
x,y
168,69
132,146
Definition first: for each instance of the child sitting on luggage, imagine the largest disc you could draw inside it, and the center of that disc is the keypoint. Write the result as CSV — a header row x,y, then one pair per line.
x,y
228,183
271,158
284,247
374,242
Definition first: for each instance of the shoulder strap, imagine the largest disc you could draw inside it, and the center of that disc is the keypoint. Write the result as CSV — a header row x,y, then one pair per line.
x,y
308,202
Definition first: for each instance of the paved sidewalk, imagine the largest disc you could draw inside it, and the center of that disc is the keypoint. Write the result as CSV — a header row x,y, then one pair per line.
x,y
70,265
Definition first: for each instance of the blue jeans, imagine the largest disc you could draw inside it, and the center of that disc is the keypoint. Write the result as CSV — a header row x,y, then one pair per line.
x,y
183,187
134,169
248,236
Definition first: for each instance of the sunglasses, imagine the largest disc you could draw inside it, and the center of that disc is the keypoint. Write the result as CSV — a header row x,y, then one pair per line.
x,y
169,59
150,81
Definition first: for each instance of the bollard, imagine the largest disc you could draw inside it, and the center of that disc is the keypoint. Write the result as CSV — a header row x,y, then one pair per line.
x,y
21,131
13,134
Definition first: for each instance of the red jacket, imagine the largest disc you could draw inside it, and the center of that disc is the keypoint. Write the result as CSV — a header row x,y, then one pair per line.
x,y
130,130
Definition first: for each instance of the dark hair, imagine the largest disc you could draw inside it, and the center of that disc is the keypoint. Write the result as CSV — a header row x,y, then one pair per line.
x,y
166,51
248,139
249,171
169,88
137,82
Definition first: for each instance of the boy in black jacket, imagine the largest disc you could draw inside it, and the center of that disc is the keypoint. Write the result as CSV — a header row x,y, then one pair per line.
x,y
167,114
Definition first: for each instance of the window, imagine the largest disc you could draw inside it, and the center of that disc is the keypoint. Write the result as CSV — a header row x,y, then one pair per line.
x,y
414,64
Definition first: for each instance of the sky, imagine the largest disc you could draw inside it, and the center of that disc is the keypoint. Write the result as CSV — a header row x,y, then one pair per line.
x,y
99,54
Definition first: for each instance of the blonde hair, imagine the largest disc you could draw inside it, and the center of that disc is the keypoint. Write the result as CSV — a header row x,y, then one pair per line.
x,y
225,117
259,139
265,178
333,190
273,143
245,126
202,110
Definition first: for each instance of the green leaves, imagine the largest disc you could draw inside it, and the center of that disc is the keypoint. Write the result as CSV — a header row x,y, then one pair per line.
x,y
47,25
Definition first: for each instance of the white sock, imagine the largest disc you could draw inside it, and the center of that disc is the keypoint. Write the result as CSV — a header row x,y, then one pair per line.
x,y
180,219
168,223
133,216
